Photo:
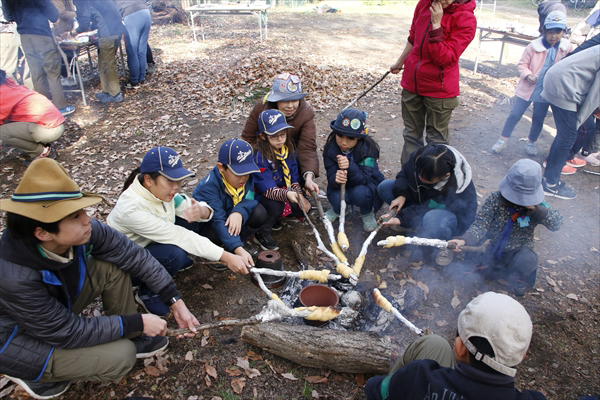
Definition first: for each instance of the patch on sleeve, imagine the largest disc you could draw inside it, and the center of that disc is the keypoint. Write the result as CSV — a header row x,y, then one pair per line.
x,y
368,162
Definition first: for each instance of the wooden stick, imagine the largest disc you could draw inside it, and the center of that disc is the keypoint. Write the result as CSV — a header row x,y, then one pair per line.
x,y
321,276
387,306
394,241
227,322
358,263
342,238
367,91
329,228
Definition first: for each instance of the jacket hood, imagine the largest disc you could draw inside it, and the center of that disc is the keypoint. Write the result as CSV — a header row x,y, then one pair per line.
x,y
462,171
461,5
18,252
539,47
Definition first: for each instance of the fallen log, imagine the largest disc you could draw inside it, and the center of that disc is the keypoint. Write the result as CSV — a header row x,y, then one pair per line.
x,y
342,351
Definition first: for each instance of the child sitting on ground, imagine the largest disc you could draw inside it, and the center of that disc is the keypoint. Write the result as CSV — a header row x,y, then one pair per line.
x,y
538,56
276,184
229,191
509,217
350,158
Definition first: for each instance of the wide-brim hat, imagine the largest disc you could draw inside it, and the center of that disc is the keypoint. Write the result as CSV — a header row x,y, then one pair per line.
x,y
47,193
523,184
166,162
287,87
350,122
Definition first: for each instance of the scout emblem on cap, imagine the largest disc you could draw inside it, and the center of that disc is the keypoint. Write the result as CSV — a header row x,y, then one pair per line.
x,y
284,76
243,155
173,160
355,124
292,87
295,79
273,118
346,122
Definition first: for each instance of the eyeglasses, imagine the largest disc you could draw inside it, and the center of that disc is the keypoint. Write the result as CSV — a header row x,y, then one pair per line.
x,y
279,135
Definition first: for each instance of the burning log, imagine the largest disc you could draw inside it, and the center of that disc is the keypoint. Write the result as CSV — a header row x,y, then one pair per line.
x,y
329,228
394,241
387,306
350,352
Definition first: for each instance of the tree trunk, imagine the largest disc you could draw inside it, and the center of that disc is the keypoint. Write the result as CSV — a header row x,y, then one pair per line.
x,y
342,351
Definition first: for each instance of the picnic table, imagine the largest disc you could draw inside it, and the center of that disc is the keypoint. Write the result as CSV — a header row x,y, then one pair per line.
x,y
497,35
202,10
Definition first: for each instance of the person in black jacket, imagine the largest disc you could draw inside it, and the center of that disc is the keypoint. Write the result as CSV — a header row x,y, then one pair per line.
x,y
494,332
434,194
54,261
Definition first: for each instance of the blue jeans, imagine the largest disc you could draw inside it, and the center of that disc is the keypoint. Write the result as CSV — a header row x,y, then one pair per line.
x,y
566,133
384,190
136,42
360,196
537,120
584,135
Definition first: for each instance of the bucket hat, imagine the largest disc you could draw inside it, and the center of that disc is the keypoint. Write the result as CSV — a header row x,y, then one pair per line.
x,y
271,121
166,162
350,122
238,156
505,324
47,193
556,19
286,87
523,184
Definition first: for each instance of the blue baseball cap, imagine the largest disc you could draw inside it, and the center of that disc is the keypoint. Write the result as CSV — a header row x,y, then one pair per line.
x,y
166,162
286,87
350,122
271,121
238,156
556,19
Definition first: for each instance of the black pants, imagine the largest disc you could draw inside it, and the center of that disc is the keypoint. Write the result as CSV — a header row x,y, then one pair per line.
x,y
520,263
274,209
149,58
256,220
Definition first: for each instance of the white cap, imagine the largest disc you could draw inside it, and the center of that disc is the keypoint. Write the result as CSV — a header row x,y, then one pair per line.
x,y
505,324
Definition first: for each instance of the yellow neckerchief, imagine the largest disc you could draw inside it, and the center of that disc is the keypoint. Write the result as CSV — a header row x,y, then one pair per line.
x,y
236,194
282,156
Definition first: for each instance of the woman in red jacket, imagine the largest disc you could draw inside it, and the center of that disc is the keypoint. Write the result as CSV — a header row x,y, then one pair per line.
x,y
441,30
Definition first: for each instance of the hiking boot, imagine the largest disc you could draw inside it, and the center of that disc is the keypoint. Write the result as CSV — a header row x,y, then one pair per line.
x,y
576,162
152,304
560,190
593,159
331,215
499,146
278,226
251,250
369,222
265,241
41,390
147,346
119,98
566,170
150,68
530,149
444,257
68,110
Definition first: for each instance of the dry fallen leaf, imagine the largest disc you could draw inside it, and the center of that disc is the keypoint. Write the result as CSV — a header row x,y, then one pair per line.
x,y
441,323
573,296
423,287
253,356
233,371
595,250
289,376
189,356
316,379
207,286
152,370
238,385
383,285
550,281
552,262
360,379
210,370
454,302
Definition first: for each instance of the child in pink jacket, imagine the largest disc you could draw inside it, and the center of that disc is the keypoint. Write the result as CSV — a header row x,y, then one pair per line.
x,y
539,55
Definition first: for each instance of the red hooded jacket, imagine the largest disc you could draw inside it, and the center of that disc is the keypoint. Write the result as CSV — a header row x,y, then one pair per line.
x,y
431,68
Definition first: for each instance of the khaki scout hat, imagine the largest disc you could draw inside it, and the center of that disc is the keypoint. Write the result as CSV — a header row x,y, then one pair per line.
x,y
47,193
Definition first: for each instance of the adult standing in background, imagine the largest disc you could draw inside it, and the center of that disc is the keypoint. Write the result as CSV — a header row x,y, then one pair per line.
x,y
138,21
440,32
42,55
105,17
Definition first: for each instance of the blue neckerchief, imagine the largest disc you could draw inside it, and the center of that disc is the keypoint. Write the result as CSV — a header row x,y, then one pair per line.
x,y
505,235
536,96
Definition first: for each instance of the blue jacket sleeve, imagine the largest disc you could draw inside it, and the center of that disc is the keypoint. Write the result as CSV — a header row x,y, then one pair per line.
x,y
293,165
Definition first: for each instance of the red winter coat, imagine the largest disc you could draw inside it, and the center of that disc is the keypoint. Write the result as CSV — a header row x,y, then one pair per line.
x,y
20,104
431,68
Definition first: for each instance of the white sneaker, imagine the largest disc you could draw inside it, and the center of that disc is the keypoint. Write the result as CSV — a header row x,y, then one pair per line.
x,y
592,159
499,146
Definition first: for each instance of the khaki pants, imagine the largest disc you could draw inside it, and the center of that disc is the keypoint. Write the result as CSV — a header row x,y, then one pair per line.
x,y
28,136
429,347
421,113
9,54
44,63
107,65
109,361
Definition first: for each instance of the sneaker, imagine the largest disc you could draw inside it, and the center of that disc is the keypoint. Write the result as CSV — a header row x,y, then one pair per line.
x,y
147,346
41,390
369,222
131,85
530,149
70,81
593,159
68,110
150,68
265,241
519,286
278,226
101,95
576,162
331,215
112,99
566,170
152,304
560,190
142,82
251,250
499,146
444,257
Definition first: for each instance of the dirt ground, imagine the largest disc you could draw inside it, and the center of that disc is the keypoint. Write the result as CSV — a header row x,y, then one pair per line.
x,y
103,143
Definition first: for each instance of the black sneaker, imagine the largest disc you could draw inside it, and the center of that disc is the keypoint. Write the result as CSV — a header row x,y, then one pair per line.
x,y
132,85
41,390
265,241
147,346
251,250
560,190
278,226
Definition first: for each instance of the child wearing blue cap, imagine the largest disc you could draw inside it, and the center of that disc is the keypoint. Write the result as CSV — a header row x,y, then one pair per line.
x,y
277,183
229,191
151,212
350,157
